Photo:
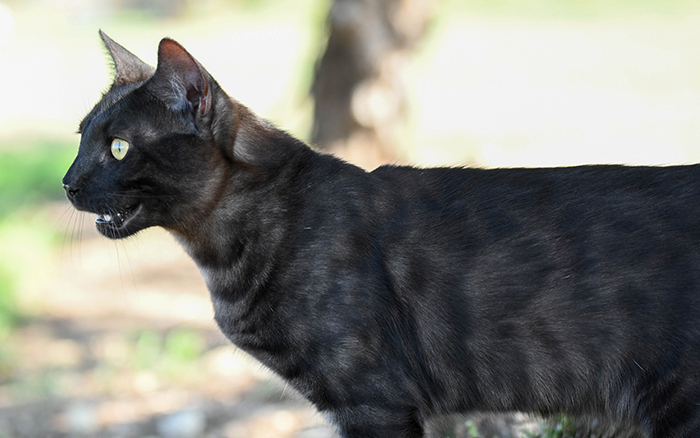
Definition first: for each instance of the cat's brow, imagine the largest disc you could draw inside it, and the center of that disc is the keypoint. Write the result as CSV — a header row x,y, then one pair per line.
x,y
109,99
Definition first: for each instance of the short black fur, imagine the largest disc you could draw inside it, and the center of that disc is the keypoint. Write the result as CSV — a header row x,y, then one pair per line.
x,y
388,297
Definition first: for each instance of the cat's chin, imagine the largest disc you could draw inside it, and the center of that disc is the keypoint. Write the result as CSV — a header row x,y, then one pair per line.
x,y
119,224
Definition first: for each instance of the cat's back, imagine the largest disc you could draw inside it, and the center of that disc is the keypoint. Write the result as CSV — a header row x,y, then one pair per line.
x,y
513,234
588,182
511,199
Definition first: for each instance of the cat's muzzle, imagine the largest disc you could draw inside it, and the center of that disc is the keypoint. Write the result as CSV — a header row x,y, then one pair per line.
x,y
115,220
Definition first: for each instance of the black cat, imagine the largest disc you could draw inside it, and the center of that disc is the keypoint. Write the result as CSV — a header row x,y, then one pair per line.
x,y
391,296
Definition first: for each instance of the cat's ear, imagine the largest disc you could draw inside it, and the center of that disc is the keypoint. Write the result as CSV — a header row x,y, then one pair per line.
x,y
186,83
128,67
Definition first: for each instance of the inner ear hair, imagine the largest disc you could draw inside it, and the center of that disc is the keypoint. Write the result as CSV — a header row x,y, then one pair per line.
x,y
189,82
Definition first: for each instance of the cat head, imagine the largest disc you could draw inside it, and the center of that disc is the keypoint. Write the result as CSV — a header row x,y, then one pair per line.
x,y
155,149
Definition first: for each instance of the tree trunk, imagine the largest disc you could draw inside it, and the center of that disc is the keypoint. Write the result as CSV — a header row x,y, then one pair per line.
x,y
358,90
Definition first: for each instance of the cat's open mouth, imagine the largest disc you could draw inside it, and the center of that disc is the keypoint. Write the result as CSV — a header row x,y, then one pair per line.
x,y
117,219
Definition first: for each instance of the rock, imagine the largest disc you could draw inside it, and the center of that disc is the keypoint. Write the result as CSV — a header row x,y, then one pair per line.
x,y
315,432
183,424
81,419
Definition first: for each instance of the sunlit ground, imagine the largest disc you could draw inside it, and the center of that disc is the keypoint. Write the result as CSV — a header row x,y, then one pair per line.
x,y
113,333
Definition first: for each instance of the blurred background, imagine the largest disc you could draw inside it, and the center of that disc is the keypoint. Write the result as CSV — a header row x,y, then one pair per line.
x,y
116,339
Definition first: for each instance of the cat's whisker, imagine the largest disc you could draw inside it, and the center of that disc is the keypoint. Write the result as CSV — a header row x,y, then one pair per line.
x,y
76,236
73,236
65,217
128,260
79,235
74,224
140,195
128,266
66,213
121,276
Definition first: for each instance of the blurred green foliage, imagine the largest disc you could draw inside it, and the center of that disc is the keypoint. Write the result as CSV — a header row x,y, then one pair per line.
x,y
170,352
148,349
8,319
183,346
563,428
472,430
29,174
8,311
32,173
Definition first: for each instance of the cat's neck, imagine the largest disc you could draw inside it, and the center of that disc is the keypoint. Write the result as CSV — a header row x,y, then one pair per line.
x,y
248,205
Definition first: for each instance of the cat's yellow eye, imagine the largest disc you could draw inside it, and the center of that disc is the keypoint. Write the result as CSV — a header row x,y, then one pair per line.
x,y
119,148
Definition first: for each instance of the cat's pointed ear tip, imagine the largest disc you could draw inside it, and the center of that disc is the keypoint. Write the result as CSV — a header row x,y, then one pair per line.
x,y
168,47
169,44
104,37
108,42
172,50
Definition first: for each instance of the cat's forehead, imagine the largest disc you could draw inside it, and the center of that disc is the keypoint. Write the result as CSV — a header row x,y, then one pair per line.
x,y
135,110
108,100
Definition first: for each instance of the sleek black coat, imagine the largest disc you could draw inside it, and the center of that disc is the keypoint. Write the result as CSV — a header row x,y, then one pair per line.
x,y
391,296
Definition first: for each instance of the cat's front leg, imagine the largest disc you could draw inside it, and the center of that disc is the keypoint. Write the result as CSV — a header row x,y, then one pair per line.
x,y
375,421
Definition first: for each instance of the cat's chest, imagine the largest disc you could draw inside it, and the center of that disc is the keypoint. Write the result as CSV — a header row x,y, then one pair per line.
x,y
244,313
217,280
228,300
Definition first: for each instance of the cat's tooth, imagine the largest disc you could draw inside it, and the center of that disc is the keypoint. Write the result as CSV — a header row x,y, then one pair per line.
x,y
107,217
118,219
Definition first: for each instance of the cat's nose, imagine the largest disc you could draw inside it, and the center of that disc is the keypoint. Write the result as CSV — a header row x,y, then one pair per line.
x,y
70,191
